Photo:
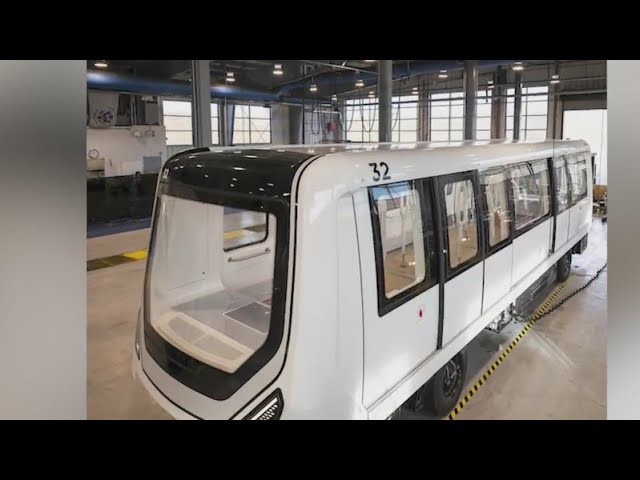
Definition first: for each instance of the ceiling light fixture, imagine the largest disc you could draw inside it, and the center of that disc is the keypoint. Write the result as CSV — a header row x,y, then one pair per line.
x,y
360,83
443,74
313,88
277,69
101,64
555,79
518,67
231,77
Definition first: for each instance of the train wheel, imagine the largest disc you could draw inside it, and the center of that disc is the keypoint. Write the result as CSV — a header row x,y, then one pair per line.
x,y
564,267
443,390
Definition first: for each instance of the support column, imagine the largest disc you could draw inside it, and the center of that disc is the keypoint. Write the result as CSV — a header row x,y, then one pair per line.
x,y
423,116
201,103
470,98
340,117
499,105
552,106
295,125
385,84
559,122
517,105
226,113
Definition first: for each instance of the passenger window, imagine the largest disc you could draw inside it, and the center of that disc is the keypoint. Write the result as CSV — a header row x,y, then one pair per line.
x,y
243,228
562,184
402,236
495,185
462,225
578,173
531,192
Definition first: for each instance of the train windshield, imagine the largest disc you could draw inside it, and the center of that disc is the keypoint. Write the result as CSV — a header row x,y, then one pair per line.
x,y
211,281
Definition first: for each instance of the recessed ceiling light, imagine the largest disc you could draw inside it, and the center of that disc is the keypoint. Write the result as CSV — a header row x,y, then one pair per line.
x,y
369,61
277,69
313,88
443,74
518,67
359,83
101,64
334,98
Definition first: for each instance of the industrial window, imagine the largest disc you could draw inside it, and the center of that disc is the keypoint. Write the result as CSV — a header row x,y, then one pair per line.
x,y
361,123
177,121
251,124
562,184
405,119
578,174
533,115
483,113
462,225
401,249
531,192
495,185
243,228
446,116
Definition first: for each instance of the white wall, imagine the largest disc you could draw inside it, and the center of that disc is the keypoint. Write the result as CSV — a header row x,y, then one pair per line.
x,y
590,126
123,152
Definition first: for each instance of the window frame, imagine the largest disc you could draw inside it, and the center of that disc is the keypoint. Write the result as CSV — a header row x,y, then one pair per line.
x,y
577,159
491,249
452,272
542,219
257,242
565,166
425,190
249,130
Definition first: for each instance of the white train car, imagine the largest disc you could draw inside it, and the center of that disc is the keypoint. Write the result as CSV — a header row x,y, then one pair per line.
x,y
339,282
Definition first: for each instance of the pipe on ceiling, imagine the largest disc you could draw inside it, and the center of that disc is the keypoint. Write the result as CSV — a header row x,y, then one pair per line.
x,y
100,80
148,86
400,70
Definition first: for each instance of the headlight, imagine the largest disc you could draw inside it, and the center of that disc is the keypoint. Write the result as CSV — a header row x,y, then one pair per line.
x,y
269,409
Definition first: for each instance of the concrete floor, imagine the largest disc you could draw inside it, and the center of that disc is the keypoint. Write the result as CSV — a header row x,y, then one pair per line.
x,y
557,371
113,297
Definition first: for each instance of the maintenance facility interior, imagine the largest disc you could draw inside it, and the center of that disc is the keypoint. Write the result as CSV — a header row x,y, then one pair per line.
x,y
548,364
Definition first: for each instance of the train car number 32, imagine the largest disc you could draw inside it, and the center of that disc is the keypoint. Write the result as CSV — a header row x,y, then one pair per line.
x,y
377,175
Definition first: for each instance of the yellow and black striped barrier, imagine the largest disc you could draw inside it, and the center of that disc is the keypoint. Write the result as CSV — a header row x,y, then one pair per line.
x,y
114,260
543,310
546,308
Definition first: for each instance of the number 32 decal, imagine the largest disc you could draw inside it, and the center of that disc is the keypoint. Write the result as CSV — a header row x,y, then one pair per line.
x,y
377,176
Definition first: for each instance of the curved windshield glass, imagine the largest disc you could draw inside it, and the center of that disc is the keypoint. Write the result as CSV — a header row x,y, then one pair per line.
x,y
211,281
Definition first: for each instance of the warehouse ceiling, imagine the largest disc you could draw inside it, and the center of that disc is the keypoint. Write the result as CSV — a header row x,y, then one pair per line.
x,y
332,76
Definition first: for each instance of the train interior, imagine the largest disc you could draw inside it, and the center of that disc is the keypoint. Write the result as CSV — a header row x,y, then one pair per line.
x,y
211,280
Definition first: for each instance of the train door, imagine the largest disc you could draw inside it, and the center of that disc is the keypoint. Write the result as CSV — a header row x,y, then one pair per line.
x,y
532,216
401,296
580,206
462,253
563,201
498,234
